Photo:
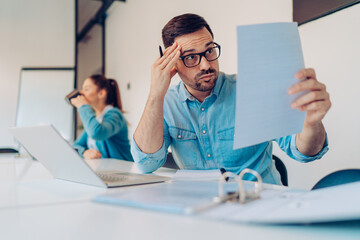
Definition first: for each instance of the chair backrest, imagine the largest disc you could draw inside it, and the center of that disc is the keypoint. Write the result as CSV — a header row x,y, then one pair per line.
x,y
280,166
170,162
338,177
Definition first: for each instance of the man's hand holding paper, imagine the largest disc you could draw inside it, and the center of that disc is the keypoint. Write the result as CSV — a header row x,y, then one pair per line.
x,y
316,103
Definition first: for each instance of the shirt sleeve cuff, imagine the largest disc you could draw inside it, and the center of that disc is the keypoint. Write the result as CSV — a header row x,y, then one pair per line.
x,y
303,158
148,162
80,150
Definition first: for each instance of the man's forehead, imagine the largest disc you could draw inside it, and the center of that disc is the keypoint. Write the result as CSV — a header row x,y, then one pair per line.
x,y
198,39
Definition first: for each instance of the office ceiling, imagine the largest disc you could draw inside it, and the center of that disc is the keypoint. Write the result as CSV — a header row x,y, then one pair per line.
x,y
87,10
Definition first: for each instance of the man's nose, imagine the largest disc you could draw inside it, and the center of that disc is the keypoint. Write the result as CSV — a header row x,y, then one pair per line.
x,y
204,63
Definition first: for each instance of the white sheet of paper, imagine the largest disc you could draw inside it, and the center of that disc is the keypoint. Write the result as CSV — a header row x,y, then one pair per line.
x,y
338,203
269,56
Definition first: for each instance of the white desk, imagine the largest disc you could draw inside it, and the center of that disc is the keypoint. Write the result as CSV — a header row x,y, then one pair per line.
x,y
35,206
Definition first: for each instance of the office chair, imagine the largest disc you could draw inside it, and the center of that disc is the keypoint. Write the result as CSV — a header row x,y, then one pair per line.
x,y
338,178
280,166
170,162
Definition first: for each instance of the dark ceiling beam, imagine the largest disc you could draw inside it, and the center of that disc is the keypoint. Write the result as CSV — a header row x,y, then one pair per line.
x,y
305,11
98,18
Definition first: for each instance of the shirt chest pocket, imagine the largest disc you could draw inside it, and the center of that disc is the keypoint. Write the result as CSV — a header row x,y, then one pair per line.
x,y
185,147
226,134
181,135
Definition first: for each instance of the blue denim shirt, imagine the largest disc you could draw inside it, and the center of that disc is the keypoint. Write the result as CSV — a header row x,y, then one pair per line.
x,y
201,135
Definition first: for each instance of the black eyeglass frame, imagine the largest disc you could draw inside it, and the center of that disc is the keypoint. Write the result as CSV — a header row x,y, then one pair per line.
x,y
202,54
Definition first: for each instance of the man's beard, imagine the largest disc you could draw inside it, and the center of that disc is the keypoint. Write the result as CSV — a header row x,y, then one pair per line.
x,y
200,86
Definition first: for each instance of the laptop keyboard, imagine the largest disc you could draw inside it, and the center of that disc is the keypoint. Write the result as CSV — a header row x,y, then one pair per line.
x,y
112,177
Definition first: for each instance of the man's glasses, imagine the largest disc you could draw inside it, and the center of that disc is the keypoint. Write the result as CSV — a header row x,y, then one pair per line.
x,y
210,54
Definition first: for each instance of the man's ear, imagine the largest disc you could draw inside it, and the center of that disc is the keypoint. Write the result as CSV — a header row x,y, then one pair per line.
x,y
173,72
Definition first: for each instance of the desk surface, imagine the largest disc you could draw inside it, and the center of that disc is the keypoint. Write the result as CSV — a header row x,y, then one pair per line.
x,y
33,205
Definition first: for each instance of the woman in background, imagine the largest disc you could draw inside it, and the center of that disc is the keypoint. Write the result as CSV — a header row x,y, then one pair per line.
x,y
105,128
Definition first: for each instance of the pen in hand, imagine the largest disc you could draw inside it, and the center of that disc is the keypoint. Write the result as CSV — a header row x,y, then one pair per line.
x,y
161,52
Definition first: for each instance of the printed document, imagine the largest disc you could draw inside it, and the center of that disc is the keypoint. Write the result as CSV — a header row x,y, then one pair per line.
x,y
269,56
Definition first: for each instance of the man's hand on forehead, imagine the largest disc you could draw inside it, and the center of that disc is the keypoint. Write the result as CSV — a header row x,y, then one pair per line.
x,y
163,69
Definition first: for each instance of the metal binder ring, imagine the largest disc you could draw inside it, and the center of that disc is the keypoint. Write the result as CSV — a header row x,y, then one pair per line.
x,y
257,188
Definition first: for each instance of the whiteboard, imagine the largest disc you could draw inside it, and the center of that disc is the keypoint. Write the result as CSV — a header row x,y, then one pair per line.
x,y
41,99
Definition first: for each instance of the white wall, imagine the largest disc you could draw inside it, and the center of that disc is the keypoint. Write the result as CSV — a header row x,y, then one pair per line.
x,y
33,33
133,33
90,55
89,61
331,47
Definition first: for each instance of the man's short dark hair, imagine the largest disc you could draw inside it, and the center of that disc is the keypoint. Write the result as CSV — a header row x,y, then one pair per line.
x,y
181,25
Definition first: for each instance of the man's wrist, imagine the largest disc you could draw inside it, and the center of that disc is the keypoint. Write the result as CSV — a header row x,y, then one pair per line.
x,y
156,98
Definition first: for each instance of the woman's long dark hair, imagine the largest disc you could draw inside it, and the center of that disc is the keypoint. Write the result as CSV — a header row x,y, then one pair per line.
x,y
111,87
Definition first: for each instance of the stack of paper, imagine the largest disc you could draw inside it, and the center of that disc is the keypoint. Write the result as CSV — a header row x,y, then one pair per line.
x,y
197,175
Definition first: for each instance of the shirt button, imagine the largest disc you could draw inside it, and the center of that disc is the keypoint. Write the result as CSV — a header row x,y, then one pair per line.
x,y
179,136
209,155
204,131
202,109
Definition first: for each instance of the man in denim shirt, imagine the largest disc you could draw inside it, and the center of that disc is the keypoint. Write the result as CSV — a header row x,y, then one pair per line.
x,y
196,117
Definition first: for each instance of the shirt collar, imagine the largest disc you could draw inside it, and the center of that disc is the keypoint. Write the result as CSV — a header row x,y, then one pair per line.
x,y
219,83
100,117
184,93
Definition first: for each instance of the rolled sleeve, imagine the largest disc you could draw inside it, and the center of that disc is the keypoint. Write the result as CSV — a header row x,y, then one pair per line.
x,y
111,124
81,144
288,145
148,163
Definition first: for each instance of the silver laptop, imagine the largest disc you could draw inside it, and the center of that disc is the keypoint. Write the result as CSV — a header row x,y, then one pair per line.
x,y
47,145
